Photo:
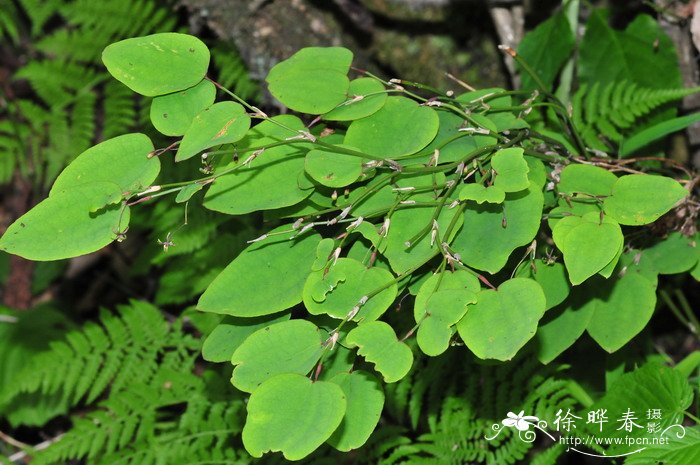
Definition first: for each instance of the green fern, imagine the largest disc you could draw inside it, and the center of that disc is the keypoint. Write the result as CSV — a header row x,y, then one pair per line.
x,y
604,113
124,349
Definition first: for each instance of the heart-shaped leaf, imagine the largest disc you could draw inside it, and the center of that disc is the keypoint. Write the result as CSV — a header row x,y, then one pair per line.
x,y
585,179
588,243
623,307
378,344
221,123
157,64
314,80
288,347
552,277
639,199
499,324
290,414
365,400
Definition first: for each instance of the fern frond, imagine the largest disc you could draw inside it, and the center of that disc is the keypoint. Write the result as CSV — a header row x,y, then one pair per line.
x,y
231,72
604,113
124,349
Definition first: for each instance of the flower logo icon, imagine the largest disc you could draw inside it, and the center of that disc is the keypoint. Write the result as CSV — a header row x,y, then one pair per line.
x,y
520,421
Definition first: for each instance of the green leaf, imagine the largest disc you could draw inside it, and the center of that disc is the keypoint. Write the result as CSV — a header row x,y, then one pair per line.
x,y
682,447
651,387
365,400
658,131
562,326
400,127
67,224
157,64
407,225
607,55
173,114
365,96
443,309
378,344
459,280
268,182
588,243
506,226
674,254
552,277
221,123
639,199
313,80
278,264
228,335
292,415
188,191
333,169
511,170
501,321
337,290
122,161
546,48
585,179
481,194
452,143
288,347
623,307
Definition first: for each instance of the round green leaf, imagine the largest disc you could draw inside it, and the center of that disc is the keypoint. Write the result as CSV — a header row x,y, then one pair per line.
x,y
499,324
337,290
292,415
157,64
400,127
67,224
288,347
314,80
172,114
365,96
223,341
491,232
278,264
639,199
365,400
623,307
121,160
268,182
588,244
333,169
480,194
443,309
221,123
585,179
511,170
378,344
